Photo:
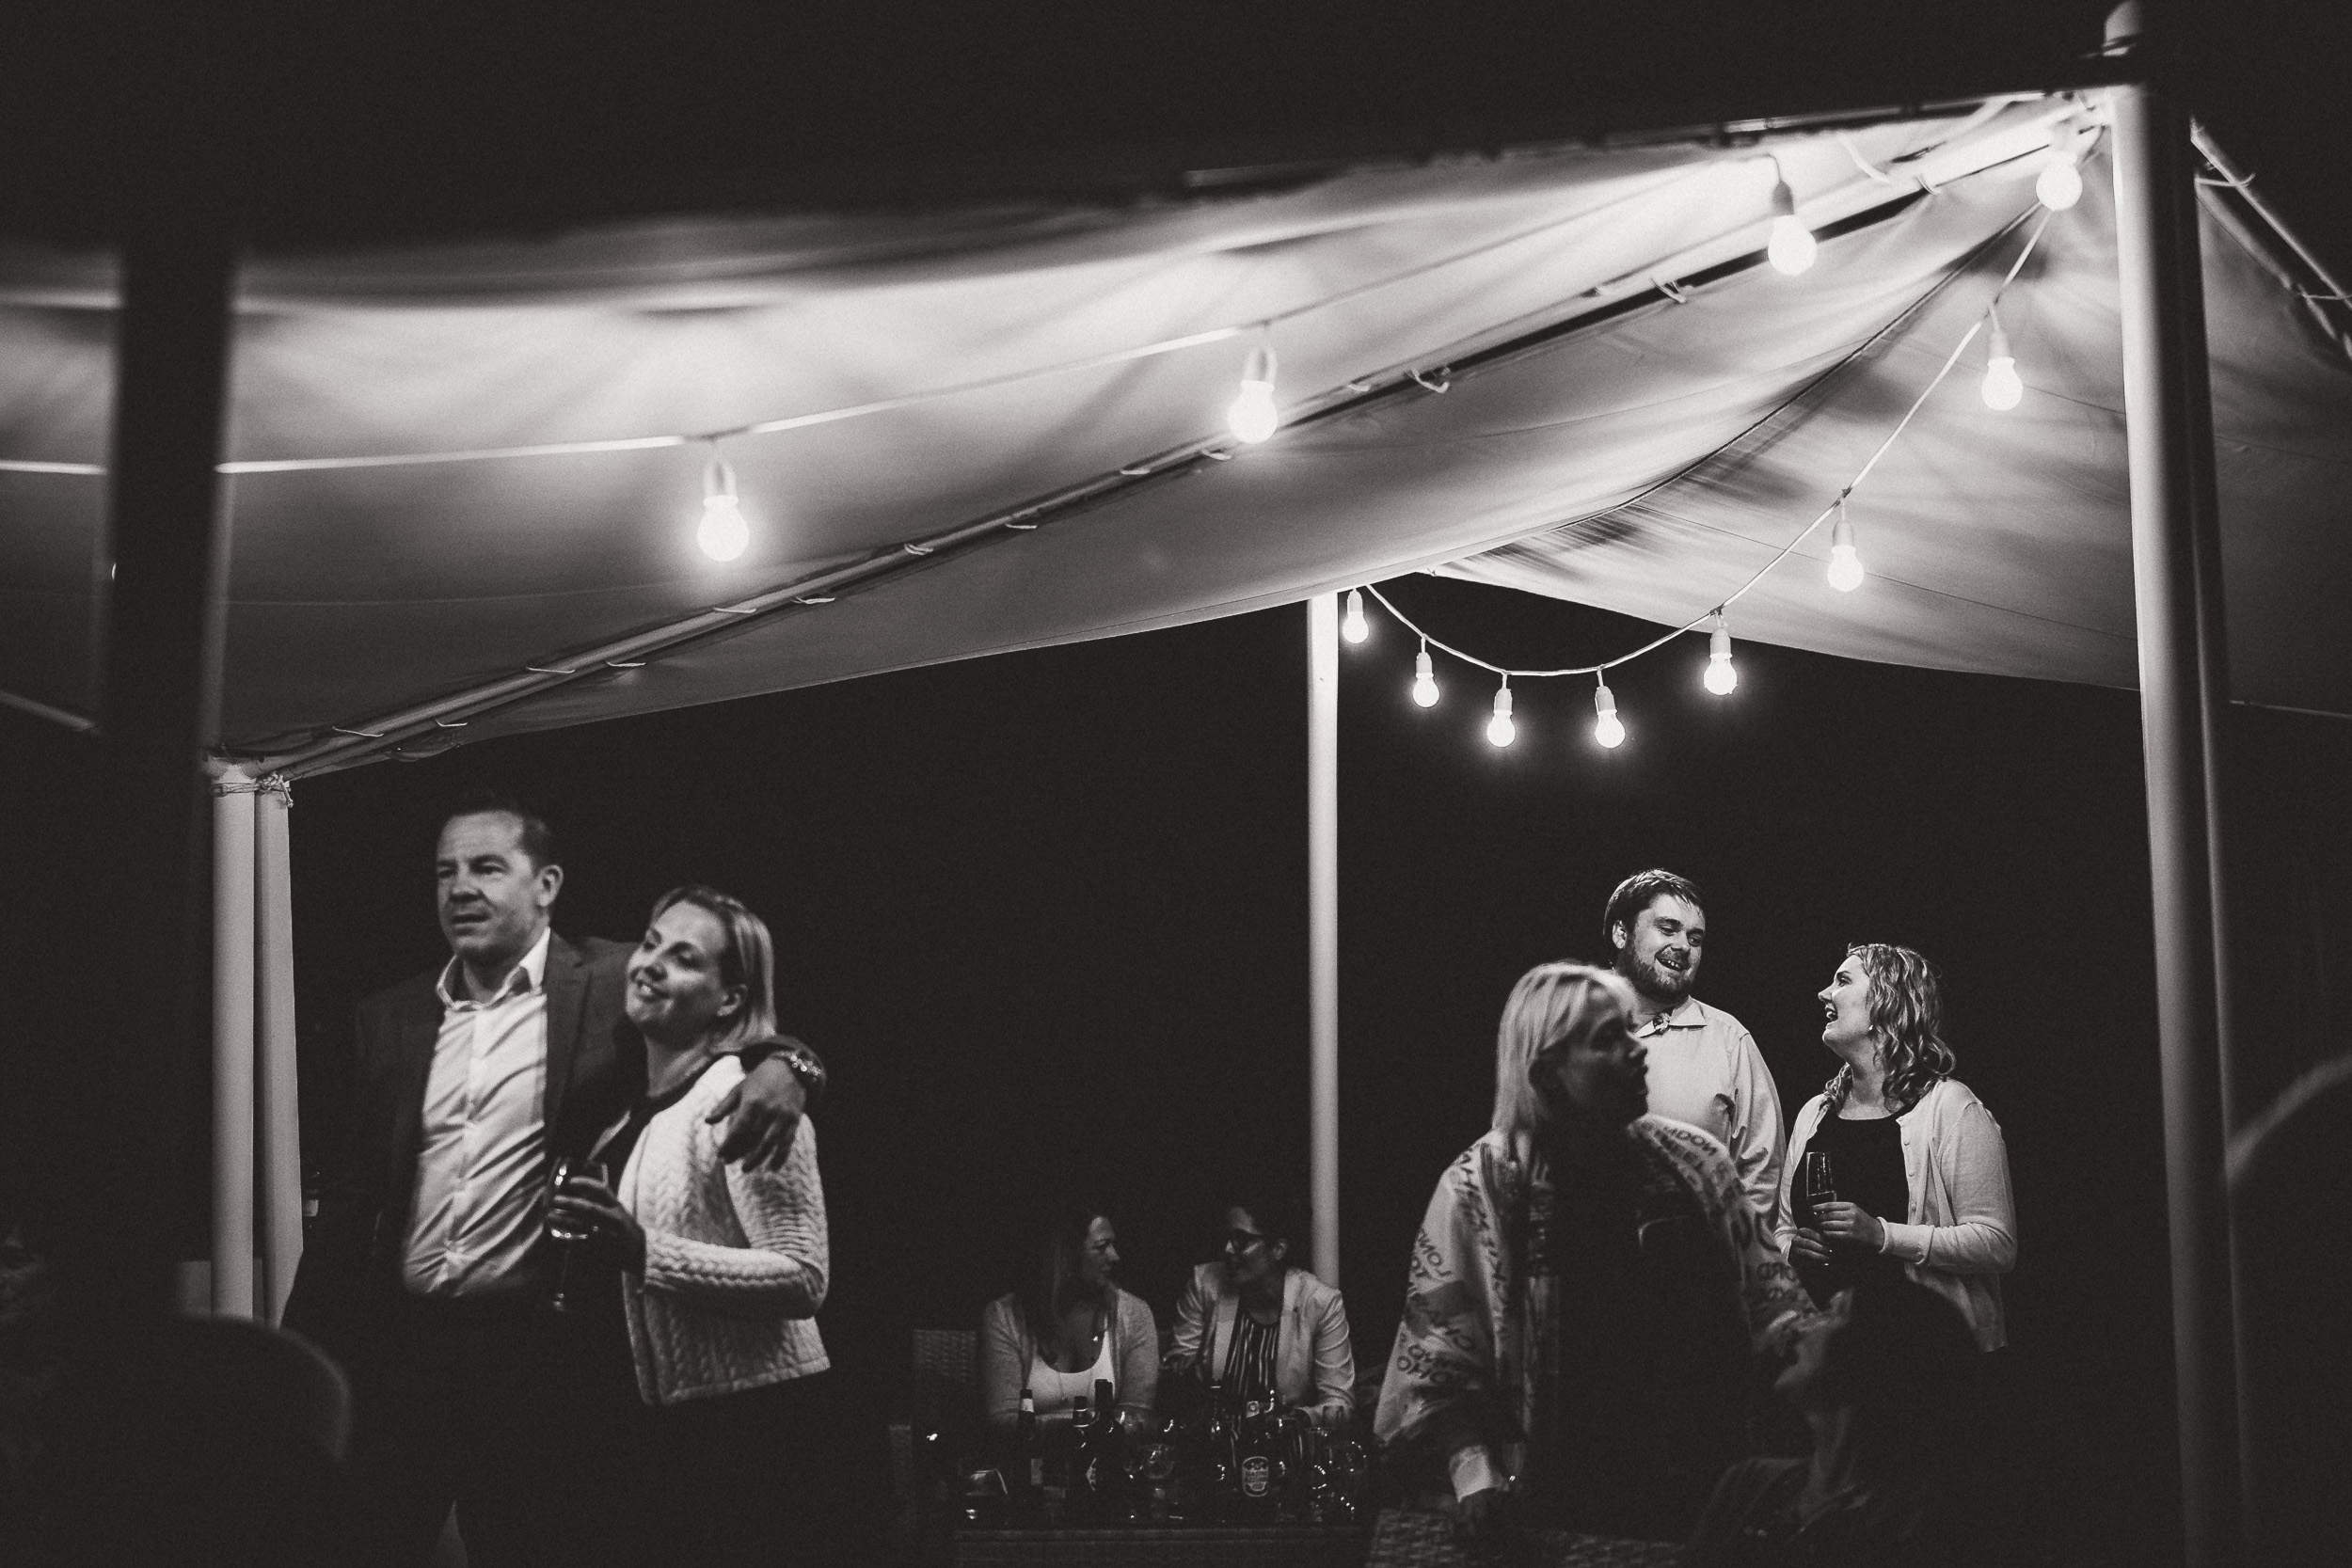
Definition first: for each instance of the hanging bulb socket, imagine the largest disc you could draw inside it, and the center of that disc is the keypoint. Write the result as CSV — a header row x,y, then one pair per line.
x,y
2003,388
1352,625
1720,678
1845,562
1252,417
1792,245
1424,679
1500,730
723,534
2059,185
1607,727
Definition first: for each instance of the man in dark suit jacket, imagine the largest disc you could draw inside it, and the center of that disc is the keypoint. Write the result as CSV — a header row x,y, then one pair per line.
x,y
428,1269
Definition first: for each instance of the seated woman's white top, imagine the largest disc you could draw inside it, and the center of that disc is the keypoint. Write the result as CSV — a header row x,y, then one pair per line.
x,y
1051,1389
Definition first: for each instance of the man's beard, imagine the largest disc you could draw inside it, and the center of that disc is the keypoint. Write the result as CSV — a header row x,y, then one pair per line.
x,y
1653,979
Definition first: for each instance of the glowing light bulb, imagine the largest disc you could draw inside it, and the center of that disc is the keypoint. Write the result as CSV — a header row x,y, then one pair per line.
x,y
2060,184
1424,681
2003,388
1252,417
1352,626
723,534
1845,562
1721,678
1792,244
1607,728
1500,730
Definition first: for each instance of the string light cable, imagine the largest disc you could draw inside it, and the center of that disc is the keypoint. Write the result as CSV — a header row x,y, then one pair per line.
x,y
1087,362
1835,509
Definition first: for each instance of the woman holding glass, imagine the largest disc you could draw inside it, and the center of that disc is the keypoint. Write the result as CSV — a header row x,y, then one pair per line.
x,y
1916,1178
721,1267
1260,1327
1068,1328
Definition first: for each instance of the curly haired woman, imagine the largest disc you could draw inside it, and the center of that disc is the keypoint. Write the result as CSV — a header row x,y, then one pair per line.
x,y
1905,1138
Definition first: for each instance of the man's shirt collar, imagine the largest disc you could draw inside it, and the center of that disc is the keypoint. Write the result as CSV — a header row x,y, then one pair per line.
x,y
523,980
1691,1013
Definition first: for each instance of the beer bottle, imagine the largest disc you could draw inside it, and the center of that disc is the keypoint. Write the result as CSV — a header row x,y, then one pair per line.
x,y
1030,1458
1259,1471
1106,1463
1218,1460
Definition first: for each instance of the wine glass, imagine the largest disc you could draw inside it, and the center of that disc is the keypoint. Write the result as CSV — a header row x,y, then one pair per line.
x,y
1818,1185
568,1236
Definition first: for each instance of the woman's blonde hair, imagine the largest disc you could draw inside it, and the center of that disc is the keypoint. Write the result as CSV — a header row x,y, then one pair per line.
x,y
748,959
1554,1003
1907,1017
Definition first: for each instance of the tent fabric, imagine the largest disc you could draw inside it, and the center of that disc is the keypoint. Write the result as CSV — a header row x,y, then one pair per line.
x,y
1595,439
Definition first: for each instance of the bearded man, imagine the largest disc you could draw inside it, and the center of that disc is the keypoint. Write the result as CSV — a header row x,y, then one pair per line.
x,y
1703,1067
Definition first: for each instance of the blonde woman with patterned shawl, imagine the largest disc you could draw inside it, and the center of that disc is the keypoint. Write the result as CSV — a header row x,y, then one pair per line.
x,y
1589,1294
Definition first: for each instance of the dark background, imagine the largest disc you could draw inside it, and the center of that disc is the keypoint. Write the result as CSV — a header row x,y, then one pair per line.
x,y
1046,913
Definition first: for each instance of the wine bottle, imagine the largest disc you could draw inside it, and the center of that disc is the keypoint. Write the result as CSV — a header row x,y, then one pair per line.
x,y
1031,1456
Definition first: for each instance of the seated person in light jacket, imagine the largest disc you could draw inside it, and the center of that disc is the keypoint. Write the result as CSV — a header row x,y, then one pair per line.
x,y
1256,1325
1069,1327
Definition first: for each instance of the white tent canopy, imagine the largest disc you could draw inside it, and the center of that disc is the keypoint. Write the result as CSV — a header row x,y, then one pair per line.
x,y
1635,414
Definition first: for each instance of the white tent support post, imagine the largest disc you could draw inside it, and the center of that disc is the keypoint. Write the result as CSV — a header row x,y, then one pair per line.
x,y
1323,926
232,1045
2183,683
273,1017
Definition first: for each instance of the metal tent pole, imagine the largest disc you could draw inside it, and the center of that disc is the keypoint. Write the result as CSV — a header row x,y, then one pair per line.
x,y
273,1021
2184,687
232,1045
160,589
1323,926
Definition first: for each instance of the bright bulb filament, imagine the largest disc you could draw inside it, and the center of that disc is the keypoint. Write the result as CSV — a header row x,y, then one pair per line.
x,y
1252,417
1721,678
2003,388
1424,681
1792,244
1501,731
1609,730
2060,184
1352,626
723,534
1845,568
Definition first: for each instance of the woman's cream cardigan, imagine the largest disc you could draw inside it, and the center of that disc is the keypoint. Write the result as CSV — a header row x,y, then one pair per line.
x,y
735,1259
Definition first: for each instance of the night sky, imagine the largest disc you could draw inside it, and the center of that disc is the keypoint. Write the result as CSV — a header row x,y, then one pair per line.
x,y
1046,913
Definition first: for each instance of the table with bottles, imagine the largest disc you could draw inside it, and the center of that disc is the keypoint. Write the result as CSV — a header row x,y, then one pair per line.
x,y
1233,1483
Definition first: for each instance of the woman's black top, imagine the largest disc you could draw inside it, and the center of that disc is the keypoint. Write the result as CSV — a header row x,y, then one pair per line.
x,y
603,1318
1867,1161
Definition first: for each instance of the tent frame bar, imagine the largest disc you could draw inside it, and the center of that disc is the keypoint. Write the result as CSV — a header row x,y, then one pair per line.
x,y
2184,686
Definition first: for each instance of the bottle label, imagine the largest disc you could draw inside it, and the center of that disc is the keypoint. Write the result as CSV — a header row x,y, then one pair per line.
x,y
1257,1476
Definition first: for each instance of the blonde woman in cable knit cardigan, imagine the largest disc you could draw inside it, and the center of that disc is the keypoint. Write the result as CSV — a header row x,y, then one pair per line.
x,y
721,1267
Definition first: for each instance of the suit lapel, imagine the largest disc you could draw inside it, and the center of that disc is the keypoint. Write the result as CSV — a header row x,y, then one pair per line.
x,y
1291,1341
566,983
417,1030
1221,1333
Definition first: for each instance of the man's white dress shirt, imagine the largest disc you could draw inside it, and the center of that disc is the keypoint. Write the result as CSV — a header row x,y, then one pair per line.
x,y
1705,1069
481,1176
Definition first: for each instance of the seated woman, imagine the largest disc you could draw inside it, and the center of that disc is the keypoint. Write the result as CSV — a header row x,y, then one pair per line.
x,y
1259,1328
1916,1161
1589,1294
1882,1380
722,1267
1069,1327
